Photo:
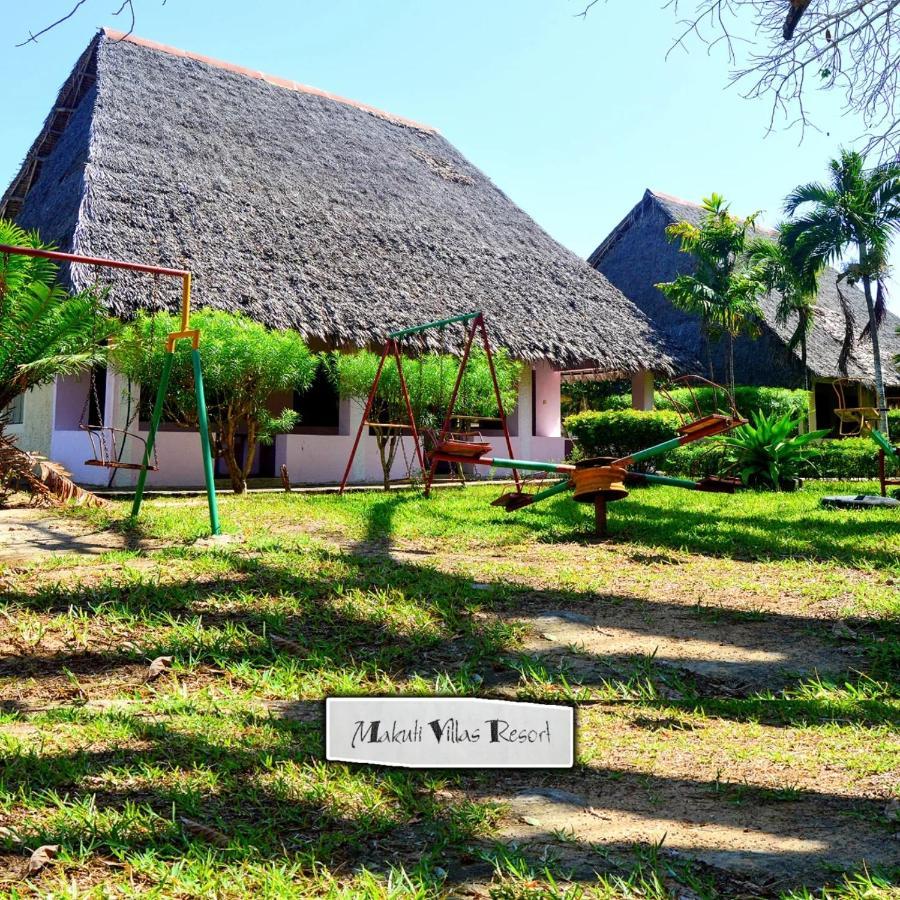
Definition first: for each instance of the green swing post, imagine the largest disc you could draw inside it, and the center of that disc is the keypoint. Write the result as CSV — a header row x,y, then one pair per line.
x,y
151,436
214,525
204,441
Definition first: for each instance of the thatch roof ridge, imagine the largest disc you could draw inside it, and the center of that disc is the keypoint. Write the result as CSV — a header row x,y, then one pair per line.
x,y
824,342
311,213
275,80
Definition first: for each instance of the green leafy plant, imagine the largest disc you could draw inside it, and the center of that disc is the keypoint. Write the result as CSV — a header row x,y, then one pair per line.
x,y
45,331
244,364
767,452
724,289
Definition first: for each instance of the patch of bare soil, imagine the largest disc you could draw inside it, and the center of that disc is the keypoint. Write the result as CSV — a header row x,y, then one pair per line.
x,y
27,534
774,845
769,651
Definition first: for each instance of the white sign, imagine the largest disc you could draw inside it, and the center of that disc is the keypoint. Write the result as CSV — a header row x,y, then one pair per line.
x,y
449,733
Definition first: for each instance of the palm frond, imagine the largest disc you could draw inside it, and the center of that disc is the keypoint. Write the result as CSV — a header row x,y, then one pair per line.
x,y
813,192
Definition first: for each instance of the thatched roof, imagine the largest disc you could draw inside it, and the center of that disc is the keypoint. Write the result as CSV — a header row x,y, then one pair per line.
x,y
637,255
305,210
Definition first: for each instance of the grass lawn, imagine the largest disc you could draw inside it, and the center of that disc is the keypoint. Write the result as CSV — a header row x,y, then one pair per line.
x,y
733,661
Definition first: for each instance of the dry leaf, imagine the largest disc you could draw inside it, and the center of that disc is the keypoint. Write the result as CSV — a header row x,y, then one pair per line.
x,y
9,834
159,665
843,630
203,832
58,482
280,643
41,857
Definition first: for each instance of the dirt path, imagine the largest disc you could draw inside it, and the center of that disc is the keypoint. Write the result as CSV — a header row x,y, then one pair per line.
x,y
737,657
27,533
773,845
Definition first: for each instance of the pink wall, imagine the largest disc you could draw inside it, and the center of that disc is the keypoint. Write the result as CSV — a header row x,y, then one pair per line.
x,y
310,458
547,411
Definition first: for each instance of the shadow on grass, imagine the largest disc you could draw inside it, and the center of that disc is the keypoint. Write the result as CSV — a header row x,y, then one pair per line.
x,y
727,526
270,796
354,618
365,612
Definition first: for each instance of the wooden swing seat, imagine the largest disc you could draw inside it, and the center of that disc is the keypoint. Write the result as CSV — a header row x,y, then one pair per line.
x,y
471,449
116,464
105,457
513,500
857,419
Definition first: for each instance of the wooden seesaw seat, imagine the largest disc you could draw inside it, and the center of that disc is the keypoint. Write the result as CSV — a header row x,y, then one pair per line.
x,y
595,479
707,426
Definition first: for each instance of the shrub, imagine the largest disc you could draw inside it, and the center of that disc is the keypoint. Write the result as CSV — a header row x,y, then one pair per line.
x,y
839,460
244,364
767,450
894,424
767,400
695,460
846,458
771,401
620,432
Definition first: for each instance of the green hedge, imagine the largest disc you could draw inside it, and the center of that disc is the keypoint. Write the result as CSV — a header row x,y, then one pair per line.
x,y
894,424
777,401
836,459
619,432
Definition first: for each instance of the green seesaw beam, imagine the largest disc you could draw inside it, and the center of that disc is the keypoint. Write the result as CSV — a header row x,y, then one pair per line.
x,y
666,480
882,442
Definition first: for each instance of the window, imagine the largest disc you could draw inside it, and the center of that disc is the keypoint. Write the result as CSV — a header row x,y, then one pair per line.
x,y
318,405
15,412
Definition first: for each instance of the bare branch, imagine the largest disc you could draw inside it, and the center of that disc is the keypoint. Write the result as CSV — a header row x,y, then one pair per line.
x,y
126,5
32,38
784,50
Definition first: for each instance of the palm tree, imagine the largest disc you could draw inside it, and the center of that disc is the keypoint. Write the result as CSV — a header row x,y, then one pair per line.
x,y
797,289
858,211
44,331
723,290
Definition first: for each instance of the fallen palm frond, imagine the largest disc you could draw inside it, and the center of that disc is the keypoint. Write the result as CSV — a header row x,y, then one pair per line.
x,y
46,481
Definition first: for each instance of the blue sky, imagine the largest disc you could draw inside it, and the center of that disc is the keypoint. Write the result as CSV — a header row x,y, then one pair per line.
x,y
573,118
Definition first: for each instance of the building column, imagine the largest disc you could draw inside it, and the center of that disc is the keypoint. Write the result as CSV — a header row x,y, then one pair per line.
x,y
642,390
524,413
811,421
350,415
547,401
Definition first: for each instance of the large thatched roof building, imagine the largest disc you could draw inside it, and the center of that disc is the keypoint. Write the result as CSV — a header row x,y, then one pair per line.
x,y
309,211
637,255
304,210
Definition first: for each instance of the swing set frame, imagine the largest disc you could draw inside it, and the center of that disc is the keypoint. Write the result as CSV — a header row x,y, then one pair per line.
x,y
475,325
184,333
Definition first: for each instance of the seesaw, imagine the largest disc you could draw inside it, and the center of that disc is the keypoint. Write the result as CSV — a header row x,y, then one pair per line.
x,y
599,480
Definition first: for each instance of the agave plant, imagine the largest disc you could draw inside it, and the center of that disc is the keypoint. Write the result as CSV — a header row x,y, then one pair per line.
x,y
45,332
767,452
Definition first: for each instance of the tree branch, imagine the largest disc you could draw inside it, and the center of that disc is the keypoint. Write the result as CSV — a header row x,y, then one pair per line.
x,y
851,47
